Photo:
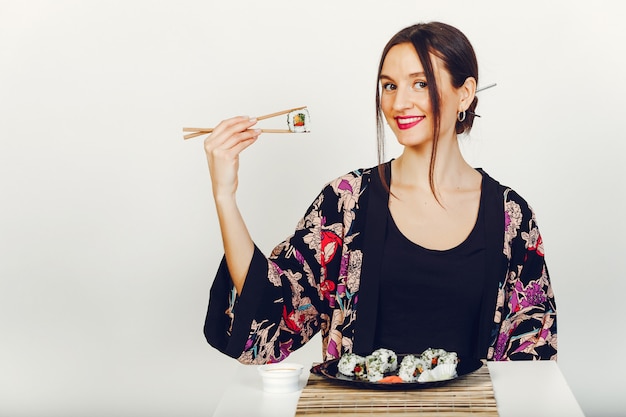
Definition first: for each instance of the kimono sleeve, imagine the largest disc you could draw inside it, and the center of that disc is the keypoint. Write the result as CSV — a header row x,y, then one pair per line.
x,y
279,307
528,313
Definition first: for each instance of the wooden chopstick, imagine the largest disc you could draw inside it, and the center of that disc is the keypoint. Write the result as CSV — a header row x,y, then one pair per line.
x,y
207,131
276,131
278,113
199,131
193,135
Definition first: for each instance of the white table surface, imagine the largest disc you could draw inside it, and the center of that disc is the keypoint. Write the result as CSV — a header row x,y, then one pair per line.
x,y
521,388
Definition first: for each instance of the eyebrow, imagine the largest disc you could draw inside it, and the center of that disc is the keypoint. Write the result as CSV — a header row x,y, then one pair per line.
x,y
412,75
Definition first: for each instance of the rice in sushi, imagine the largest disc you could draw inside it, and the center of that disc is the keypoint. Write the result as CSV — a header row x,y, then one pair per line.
x,y
448,358
298,121
441,365
411,368
431,365
431,356
381,361
374,366
388,357
351,364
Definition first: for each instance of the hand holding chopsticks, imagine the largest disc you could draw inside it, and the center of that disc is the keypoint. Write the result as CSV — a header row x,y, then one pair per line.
x,y
198,131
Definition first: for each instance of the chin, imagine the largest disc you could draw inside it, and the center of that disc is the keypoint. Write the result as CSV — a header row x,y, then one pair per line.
x,y
412,140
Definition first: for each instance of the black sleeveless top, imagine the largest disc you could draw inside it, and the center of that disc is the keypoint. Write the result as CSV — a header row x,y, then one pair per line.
x,y
431,298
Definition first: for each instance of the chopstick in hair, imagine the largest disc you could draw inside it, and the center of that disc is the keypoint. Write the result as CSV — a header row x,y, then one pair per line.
x,y
486,87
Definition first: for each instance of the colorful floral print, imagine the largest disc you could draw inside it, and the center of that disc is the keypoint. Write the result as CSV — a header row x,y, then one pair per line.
x,y
525,311
311,283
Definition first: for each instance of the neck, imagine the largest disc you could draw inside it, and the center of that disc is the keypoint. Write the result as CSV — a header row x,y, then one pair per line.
x,y
451,171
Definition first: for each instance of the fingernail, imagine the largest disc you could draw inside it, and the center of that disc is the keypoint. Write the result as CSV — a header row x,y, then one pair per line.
x,y
252,119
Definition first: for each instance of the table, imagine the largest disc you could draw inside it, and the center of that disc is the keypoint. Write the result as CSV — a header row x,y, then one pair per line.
x,y
523,385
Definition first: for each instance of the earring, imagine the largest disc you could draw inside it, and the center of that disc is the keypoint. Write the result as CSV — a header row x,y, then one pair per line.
x,y
461,116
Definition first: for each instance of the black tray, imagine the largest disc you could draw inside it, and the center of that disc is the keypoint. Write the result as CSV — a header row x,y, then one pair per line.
x,y
329,370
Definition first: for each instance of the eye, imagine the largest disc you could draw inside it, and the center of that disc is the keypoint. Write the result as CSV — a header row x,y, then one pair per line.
x,y
389,86
420,85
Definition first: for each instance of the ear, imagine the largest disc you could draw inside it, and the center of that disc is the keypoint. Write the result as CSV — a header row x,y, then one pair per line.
x,y
467,92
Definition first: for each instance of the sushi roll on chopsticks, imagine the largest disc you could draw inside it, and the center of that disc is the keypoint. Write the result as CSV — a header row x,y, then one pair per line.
x,y
298,121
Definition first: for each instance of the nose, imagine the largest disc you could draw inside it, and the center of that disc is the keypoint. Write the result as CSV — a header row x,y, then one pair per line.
x,y
401,100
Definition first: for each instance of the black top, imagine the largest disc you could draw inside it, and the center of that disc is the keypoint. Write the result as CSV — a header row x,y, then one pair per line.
x,y
431,298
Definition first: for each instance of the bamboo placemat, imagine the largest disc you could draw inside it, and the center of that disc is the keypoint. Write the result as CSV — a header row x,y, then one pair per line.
x,y
469,394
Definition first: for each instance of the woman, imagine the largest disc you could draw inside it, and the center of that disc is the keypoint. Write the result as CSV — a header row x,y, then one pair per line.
x,y
420,251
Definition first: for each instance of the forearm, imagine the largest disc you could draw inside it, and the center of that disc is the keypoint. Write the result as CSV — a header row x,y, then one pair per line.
x,y
222,147
238,245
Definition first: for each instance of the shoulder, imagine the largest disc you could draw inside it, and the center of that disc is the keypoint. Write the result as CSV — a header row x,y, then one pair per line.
x,y
354,182
506,194
520,226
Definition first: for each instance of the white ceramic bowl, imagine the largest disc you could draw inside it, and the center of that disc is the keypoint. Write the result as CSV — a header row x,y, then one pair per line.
x,y
281,377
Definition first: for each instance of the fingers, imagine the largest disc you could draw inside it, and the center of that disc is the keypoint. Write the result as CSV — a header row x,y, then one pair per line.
x,y
222,147
230,134
231,126
226,142
239,144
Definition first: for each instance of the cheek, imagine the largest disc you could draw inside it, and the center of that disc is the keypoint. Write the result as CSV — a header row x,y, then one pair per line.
x,y
386,105
448,114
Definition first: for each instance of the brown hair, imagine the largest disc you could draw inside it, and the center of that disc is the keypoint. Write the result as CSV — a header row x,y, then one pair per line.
x,y
457,54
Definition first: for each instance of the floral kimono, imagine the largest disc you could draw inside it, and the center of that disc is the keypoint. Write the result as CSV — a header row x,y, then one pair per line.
x,y
325,277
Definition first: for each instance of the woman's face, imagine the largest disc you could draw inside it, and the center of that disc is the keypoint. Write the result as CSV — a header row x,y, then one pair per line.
x,y
405,97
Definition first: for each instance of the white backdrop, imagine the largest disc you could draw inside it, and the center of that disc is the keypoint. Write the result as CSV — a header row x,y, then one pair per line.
x,y
108,236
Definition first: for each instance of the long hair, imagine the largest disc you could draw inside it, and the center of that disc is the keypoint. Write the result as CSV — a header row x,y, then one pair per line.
x,y
453,48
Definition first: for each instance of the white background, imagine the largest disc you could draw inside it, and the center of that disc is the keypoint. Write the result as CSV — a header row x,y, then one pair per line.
x,y
108,236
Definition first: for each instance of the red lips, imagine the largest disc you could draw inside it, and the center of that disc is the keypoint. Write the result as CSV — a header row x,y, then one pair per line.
x,y
407,122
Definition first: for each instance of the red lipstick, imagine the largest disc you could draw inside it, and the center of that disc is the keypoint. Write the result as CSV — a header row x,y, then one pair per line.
x,y
407,122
